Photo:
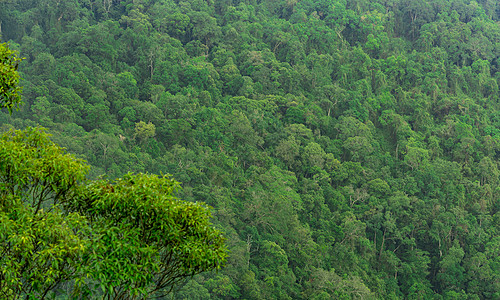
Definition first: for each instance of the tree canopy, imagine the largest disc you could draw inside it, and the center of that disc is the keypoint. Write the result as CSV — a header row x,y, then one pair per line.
x,y
126,238
349,148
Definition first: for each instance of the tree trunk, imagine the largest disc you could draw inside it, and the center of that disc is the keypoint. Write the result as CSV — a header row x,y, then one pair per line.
x,y
382,246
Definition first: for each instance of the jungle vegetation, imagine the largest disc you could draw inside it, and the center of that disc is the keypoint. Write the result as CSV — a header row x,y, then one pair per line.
x,y
349,149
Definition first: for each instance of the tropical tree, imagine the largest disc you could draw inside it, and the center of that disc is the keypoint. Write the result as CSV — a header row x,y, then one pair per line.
x,y
129,238
63,235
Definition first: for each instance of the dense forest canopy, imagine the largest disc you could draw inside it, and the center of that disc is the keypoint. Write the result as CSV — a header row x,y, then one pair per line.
x,y
349,148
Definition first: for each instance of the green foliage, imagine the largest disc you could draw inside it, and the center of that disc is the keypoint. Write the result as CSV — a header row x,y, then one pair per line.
x,y
127,238
150,240
144,131
10,91
42,246
349,148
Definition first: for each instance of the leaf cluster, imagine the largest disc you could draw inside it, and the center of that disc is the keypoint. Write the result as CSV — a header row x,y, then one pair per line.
x,y
63,235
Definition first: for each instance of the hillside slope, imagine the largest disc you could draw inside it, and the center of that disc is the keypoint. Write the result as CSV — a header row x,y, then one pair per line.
x,y
349,149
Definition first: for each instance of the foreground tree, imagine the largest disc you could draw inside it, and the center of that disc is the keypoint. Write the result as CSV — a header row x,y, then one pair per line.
x,y
123,239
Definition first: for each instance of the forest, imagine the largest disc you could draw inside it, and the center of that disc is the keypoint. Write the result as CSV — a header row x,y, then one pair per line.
x,y
348,149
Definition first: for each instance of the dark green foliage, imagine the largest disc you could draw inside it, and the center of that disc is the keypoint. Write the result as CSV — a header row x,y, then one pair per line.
x,y
349,148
